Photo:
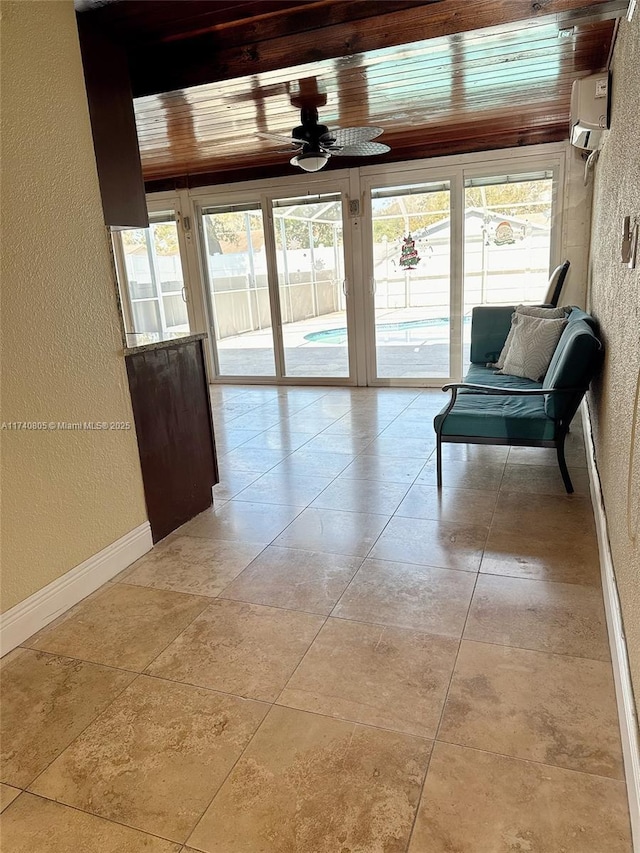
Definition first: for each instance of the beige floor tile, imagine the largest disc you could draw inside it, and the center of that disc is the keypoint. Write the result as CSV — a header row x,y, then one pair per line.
x,y
232,482
474,453
278,438
46,702
349,495
518,553
456,506
7,795
550,617
549,516
155,758
467,474
377,675
252,459
475,802
333,532
33,824
123,626
431,543
383,469
314,464
228,438
241,521
295,580
543,480
327,442
573,451
191,564
390,445
366,427
552,708
312,422
409,596
240,648
308,783
285,489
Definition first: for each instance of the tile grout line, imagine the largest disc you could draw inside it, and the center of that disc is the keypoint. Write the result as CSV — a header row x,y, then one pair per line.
x,y
455,662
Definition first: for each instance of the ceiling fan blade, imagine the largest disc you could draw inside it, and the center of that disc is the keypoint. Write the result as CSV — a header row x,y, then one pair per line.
x,y
362,149
279,137
351,135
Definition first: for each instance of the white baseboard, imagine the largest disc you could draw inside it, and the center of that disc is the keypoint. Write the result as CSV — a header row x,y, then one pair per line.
x,y
32,614
624,691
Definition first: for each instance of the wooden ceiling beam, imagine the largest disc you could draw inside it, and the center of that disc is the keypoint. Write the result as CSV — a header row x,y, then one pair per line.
x,y
341,29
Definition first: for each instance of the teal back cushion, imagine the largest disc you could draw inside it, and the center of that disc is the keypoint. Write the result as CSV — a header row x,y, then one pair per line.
x,y
578,314
573,364
490,326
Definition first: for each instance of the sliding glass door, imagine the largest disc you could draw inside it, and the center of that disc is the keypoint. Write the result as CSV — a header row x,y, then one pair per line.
x,y
367,279
238,289
411,281
312,285
508,228
277,287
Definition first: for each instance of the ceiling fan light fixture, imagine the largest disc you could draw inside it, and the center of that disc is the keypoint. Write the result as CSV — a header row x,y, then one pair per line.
x,y
312,161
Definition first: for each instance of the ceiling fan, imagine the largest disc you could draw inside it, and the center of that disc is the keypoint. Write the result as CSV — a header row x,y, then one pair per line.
x,y
314,143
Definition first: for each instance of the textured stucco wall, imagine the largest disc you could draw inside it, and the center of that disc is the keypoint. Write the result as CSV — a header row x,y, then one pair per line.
x,y
615,300
66,495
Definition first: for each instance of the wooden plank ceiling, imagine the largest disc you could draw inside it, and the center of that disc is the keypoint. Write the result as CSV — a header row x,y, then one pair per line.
x,y
441,77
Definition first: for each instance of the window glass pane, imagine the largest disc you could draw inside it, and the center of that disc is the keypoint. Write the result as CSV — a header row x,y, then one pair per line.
x,y
411,269
238,290
507,241
311,280
152,269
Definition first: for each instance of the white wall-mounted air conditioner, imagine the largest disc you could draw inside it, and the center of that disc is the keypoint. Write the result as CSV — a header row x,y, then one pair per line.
x,y
589,110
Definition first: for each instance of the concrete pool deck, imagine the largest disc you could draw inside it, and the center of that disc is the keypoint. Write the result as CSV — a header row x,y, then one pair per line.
x,y
412,352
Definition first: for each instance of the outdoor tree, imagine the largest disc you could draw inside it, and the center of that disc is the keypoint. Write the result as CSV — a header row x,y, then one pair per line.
x,y
165,238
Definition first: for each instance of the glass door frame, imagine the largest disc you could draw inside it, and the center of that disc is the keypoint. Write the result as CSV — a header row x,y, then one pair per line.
x,y
158,203
262,193
392,178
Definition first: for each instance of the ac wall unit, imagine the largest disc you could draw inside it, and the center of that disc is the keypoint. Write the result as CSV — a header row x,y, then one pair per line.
x,y
589,110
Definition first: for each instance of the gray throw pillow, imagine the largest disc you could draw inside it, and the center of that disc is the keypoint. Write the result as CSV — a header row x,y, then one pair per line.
x,y
528,311
532,346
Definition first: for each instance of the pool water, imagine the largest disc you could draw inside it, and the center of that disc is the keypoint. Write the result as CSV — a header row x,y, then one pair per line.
x,y
339,336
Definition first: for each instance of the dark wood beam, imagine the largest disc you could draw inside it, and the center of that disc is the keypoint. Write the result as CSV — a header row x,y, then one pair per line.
x,y
311,34
113,127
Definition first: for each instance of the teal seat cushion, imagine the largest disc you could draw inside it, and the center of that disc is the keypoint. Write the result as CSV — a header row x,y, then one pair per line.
x,y
481,375
507,417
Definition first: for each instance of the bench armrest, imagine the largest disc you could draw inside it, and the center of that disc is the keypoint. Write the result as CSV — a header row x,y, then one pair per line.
x,y
454,387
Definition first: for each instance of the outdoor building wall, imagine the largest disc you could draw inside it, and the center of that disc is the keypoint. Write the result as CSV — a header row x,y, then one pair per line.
x,y
66,494
615,300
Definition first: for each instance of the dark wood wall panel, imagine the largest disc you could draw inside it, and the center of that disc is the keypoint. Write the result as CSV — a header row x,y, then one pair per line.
x,y
172,413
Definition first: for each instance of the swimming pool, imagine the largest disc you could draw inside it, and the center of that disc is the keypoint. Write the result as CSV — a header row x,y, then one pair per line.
x,y
339,336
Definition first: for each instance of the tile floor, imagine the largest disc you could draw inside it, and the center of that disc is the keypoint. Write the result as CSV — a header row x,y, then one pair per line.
x,y
335,659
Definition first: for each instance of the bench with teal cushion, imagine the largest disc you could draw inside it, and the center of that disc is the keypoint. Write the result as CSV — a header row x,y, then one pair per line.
x,y
494,408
